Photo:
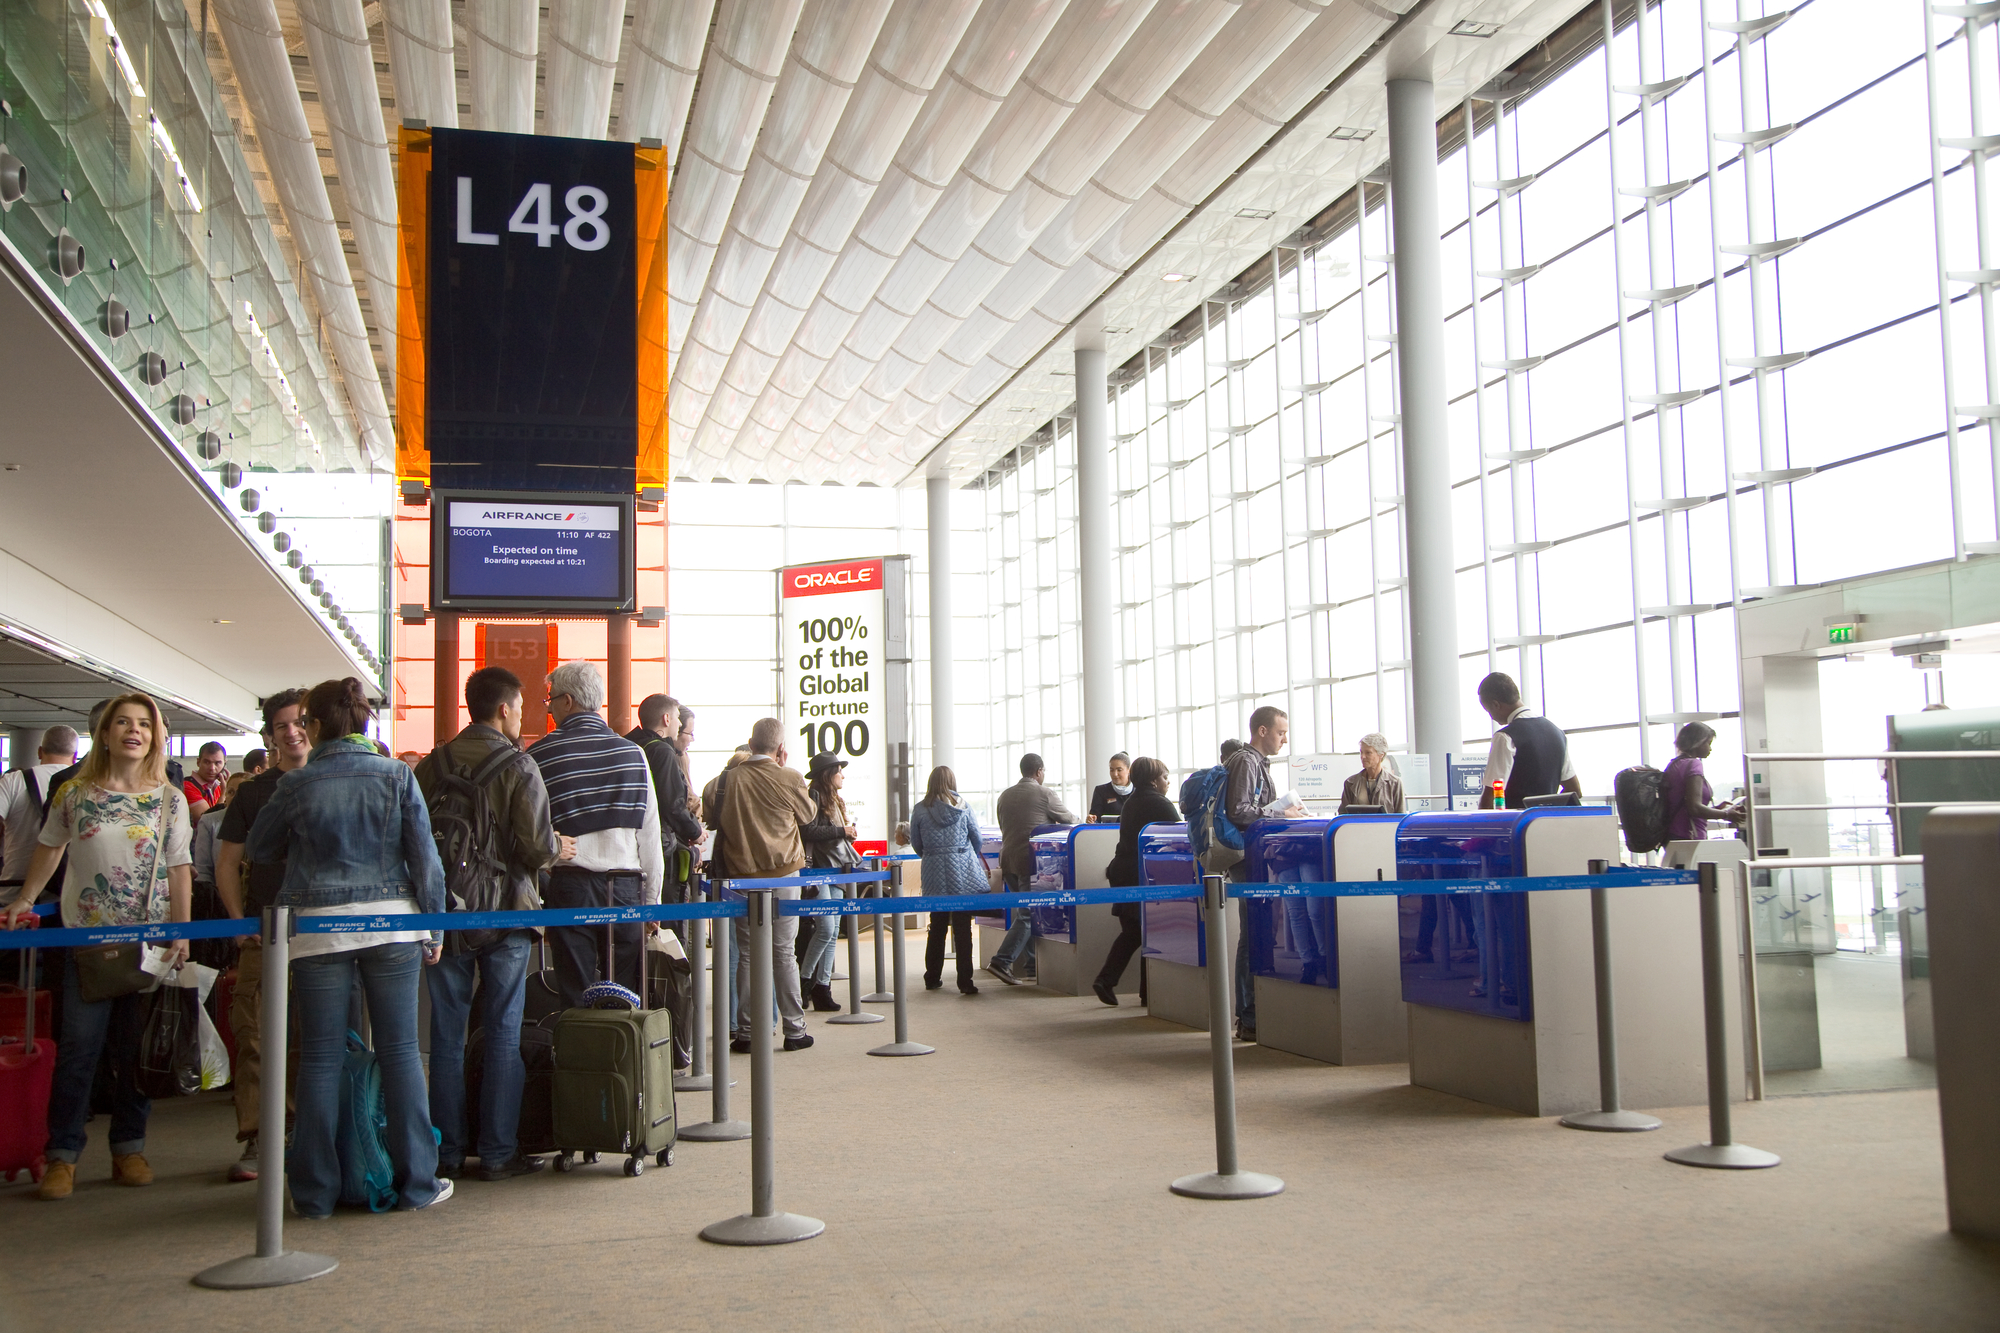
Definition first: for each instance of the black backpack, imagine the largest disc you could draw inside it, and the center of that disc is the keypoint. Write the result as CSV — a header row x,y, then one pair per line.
x,y
1642,808
468,841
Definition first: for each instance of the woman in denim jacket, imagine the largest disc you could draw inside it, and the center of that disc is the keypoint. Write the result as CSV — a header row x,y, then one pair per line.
x,y
355,837
944,833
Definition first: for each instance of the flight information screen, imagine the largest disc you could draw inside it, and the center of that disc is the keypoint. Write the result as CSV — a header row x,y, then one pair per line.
x,y
532,552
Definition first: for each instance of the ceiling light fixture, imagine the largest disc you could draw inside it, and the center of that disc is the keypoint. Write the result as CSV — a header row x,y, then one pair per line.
x,y
1468,28
1255,214
1127,328
1350,133
1175,277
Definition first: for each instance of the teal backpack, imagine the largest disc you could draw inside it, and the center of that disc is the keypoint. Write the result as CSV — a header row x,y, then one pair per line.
x,y
367,1177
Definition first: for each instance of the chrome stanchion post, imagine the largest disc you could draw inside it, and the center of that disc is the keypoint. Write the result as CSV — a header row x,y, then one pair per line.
x,y
272,1265
902,1045
1611,1118
881,994
719,1128
763,1224
854,1014
1721,1150
697,1077
1226,1181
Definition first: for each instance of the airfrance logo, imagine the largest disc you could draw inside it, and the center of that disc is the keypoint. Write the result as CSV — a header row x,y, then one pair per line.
x,y
580,518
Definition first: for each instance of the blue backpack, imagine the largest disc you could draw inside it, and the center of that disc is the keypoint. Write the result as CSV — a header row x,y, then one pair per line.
x,y
367,1177
1216,842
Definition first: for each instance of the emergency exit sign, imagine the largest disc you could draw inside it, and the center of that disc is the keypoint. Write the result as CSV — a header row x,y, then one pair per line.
x,y
1841,633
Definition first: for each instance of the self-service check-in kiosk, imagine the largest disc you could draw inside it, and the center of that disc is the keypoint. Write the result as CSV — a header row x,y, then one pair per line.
x,y
1325,968
1501,986
1176,948
1071,942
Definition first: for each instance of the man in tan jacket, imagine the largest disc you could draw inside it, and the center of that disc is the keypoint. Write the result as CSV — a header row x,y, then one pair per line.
x,y
758,808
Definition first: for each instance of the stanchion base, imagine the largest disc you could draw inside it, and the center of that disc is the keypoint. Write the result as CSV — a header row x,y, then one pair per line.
x,y
1728,1157
694,1082
855,1018
1238,1185
749,1229
714,1131
879,997
904,1048
255,1270
1610,1122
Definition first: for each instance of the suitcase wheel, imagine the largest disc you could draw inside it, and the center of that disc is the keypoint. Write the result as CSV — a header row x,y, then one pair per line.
x,y
590,1159
634,1165
666,1157
565,1162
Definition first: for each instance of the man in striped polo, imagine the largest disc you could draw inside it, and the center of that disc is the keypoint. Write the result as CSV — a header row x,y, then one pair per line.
x,y
601,794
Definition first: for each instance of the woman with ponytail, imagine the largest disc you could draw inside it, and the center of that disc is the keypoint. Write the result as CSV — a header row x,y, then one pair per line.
x,y
354,836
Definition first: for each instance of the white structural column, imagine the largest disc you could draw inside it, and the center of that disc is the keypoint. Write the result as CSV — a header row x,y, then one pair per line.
x,y
938,513
1094,521
1430,595
505,40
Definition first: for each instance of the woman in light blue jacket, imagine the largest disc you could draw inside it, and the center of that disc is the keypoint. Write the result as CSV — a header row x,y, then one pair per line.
x,y
355,837
944,833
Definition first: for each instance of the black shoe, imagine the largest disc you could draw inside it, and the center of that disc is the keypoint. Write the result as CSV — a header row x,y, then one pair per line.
x,y
933,985
739,1045
445,1170
1246,1032
1002,971
1104,992
967,988
798,1043
521,1165
822,999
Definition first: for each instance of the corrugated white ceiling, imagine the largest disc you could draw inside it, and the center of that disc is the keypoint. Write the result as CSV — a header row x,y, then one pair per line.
x,y
887,214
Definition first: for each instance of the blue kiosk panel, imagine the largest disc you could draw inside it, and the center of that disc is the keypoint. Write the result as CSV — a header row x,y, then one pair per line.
x,y
1468,951
1173,929
1055,868
1291,939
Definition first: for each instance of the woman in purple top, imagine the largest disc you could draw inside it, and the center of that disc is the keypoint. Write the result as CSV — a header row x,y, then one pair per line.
x,y
1684,790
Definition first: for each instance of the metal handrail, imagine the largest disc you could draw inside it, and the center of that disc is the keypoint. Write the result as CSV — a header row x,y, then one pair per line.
x,y
1873,754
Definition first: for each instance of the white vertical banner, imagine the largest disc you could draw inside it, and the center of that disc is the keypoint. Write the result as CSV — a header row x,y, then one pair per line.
x,y
833,687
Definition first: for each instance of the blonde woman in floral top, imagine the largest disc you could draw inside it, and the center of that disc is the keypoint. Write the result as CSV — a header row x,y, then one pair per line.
x,y
126,830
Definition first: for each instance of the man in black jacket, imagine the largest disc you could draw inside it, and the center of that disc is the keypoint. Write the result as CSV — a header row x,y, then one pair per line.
x,y
527,842
657,733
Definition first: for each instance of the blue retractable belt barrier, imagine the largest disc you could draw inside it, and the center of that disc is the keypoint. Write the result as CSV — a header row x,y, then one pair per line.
x,y
1633,877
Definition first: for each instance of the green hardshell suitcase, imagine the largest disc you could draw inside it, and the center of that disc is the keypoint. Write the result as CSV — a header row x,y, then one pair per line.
x,y
614,1079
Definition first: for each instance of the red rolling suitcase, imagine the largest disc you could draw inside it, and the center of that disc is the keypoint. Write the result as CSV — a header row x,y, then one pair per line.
x,y
14,1016
27,1071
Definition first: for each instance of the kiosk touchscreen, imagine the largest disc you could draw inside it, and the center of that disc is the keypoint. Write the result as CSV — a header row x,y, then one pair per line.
x,y
1501,987
1071,942
1325,968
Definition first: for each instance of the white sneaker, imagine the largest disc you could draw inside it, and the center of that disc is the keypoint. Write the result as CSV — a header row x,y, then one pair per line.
x,y
442,1195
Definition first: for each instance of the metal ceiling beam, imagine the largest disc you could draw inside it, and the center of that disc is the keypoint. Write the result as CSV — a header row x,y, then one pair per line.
x,y
503,38
740,73
256,45
421,61
584,36
660,65
343,61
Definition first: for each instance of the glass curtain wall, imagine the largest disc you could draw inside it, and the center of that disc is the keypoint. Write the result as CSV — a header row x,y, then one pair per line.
x,y
1693,293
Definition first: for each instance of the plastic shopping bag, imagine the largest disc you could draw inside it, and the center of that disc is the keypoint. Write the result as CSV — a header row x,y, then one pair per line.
x,y
170,1043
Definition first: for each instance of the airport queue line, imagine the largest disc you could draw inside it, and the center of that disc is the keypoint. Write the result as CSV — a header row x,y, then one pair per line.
x,y
271,1264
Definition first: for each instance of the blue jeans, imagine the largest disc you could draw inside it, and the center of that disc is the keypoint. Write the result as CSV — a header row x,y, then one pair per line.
x,y
502,971
1020,937
816,963
320,990
89,1029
